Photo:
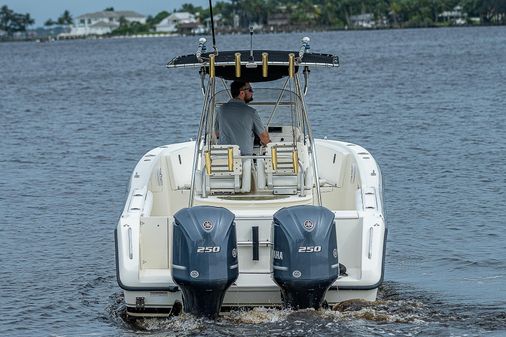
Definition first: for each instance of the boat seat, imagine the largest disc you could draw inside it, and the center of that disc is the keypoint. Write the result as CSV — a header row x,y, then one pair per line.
x,y
180,163
282,168
225,171
333,165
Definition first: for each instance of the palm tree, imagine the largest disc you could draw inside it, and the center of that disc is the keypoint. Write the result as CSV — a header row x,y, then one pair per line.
x,y
5,17
49,23
65,18
27,21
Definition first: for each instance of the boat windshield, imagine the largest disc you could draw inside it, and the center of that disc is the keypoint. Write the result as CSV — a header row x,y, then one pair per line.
x,y
276,107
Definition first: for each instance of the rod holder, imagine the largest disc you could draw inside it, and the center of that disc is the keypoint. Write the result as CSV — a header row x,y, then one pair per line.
x,y
230,159
237,65
291,65
295,159
265,64
211,65
208,163
274,153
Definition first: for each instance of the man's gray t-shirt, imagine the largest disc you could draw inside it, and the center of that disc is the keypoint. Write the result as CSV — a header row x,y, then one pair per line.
x,y
237,124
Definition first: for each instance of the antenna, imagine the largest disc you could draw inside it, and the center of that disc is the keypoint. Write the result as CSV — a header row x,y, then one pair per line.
x,y
251,61
304,48
251,43
201,48
212,24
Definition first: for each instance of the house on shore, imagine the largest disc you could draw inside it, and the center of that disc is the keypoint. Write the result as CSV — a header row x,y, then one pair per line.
x,y
279,20
100,23
176,21
219,24
367,20
362,20
454,17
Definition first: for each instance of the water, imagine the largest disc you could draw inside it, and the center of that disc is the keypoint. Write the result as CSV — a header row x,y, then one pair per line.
x,y
428,103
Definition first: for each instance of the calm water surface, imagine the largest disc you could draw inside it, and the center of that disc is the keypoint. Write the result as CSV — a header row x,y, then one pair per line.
x,y
429,104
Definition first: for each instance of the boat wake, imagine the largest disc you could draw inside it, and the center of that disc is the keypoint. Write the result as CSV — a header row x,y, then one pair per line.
x,y
398,310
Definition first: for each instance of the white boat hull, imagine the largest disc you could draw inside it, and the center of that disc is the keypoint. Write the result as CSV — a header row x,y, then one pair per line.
x,y
350,186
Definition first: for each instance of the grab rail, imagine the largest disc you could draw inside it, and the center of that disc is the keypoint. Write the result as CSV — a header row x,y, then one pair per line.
x,y
369,255
130,244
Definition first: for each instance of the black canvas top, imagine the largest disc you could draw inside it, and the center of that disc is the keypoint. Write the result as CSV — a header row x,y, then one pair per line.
x,y
251,70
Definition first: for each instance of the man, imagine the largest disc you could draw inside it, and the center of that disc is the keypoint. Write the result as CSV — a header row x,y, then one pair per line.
x,y
237,123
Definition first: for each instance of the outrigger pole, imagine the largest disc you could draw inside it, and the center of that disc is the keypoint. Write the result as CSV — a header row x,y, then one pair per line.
x,y
212,24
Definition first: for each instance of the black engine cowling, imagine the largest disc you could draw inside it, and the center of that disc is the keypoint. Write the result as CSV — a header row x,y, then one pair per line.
x,y
305,261
204,257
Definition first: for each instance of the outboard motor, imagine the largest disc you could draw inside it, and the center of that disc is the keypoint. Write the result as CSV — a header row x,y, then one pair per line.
x,y
305,262
204,257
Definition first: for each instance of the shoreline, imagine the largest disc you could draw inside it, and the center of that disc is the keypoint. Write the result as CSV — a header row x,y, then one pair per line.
x,y
65,37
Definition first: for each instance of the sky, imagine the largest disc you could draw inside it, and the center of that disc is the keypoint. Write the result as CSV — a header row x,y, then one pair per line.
x,y
41,10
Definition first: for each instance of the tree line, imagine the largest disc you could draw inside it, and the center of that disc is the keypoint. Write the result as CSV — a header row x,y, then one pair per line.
x,y
338,13
333,14
300,14
12,22
63,20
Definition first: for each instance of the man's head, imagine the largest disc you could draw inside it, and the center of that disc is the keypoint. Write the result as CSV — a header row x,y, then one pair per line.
x,y
241,90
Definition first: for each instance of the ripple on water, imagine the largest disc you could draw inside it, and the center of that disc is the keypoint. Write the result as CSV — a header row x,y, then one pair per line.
x,y
399,310
71,135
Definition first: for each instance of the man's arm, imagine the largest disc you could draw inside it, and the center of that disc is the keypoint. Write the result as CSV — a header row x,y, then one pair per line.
x,y
264,137
260,130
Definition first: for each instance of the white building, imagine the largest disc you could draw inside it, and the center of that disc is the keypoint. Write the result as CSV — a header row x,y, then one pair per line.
x,y
456,16
100,23
170,23
218,22
363,20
